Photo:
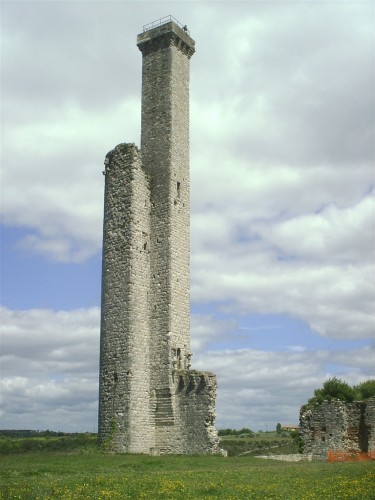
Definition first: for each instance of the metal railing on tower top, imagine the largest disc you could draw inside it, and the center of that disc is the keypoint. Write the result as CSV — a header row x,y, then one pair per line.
x,y
165,20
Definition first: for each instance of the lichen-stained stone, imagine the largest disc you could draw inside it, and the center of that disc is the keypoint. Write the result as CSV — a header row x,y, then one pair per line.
x,y
150,401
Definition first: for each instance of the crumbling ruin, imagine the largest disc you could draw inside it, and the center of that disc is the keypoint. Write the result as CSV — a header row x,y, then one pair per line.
x,y
150,401
338,427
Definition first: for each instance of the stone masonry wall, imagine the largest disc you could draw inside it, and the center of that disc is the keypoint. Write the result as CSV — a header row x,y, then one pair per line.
x,y
124,415
338,426
196,395
150,401
165,155
370,423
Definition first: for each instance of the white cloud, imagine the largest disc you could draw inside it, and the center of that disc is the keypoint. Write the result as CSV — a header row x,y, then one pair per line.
x,y
50,372
52,181
50,342
50,369
334,234
206,329
336,301
35,403
282,176
83,96
257,389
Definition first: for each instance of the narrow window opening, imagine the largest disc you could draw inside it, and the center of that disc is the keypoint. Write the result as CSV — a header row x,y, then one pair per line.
x,y
178,189
144,240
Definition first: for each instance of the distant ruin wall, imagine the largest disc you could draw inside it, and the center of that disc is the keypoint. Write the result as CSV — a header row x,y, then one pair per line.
x,y
338,427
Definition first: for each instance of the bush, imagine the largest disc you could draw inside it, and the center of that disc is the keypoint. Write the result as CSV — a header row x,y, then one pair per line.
x,y
245,432
334,388
365,390
69,442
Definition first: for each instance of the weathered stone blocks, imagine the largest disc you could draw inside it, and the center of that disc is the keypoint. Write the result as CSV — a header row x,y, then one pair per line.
x,y
149,399
337,426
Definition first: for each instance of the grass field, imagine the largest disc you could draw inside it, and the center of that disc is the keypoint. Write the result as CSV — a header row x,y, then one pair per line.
x,y
259,444
93,475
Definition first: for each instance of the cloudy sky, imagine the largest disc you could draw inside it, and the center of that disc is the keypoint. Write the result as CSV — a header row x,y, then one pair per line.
x,y
282,218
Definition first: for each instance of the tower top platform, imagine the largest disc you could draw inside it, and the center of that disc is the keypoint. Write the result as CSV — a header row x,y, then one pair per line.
x,y
163,27
165,20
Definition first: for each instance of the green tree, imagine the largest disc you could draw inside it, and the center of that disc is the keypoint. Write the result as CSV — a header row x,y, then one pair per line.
x,y
365,390
278,428
225,432
245,430
334,388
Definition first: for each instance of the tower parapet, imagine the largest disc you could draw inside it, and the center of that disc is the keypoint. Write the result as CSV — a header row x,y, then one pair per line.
x,y
165,34
150,401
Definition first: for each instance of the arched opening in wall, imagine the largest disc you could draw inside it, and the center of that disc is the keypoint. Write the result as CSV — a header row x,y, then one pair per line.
x,y
191,385
202,384
181,384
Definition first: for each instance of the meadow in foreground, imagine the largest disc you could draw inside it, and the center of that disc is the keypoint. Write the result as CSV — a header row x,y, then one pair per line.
x,y
99,476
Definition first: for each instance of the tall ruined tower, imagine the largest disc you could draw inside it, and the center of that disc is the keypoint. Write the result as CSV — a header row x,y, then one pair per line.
x,y
150,401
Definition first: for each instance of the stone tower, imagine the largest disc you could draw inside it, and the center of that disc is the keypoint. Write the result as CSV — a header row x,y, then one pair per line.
x,y
150,401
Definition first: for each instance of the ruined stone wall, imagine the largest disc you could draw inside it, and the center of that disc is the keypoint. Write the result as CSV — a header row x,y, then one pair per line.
x,y
338,426
124,414
196,398
191,428
370,423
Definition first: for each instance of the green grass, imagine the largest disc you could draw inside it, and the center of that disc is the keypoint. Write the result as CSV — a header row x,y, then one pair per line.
x,y
65,443
93,475
259,444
